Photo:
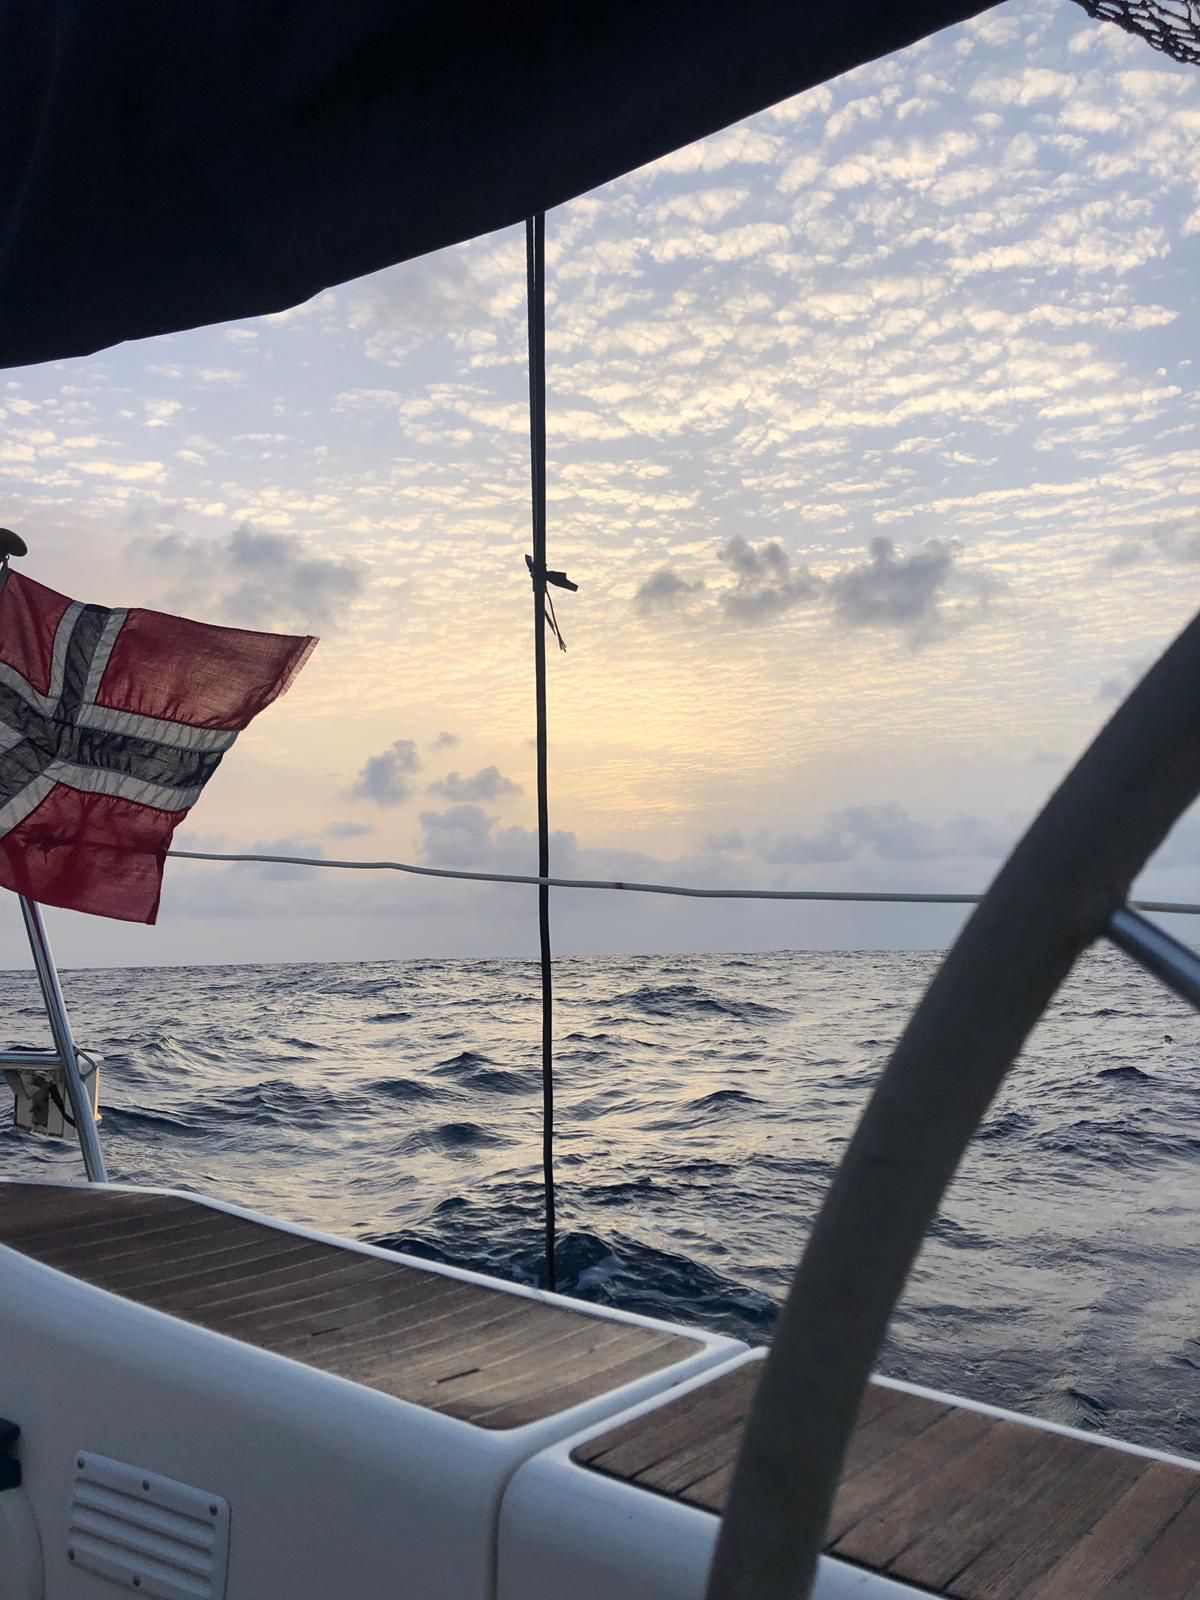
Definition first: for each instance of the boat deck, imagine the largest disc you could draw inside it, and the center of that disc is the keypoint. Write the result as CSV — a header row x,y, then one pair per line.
x,y
952,1501
486,1356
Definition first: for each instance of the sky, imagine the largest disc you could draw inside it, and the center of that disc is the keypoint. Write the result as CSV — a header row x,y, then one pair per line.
x,y
872,448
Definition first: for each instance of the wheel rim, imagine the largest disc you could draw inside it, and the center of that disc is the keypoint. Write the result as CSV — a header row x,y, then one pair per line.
x,y
1055,896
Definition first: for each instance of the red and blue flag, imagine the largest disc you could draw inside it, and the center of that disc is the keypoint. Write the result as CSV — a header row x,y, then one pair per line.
x,y
111,723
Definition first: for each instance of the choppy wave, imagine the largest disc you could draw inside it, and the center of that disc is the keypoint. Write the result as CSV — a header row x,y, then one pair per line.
x,y
702,1107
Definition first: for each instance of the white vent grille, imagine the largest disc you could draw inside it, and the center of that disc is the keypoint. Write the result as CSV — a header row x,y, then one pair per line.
x,y
148,1533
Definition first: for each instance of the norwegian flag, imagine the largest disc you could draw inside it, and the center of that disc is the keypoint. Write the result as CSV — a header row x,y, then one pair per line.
x,y
111,723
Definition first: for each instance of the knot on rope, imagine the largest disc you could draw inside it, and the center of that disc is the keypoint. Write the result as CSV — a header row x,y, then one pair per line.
x,y
542,576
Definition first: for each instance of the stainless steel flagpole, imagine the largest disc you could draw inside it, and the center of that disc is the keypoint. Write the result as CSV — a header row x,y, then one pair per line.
x,y
64,1040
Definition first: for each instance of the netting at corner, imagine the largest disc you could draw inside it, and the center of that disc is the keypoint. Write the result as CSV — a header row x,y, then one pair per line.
x,y
1172,26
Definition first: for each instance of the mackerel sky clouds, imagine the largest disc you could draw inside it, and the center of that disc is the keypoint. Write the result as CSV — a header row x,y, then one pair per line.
x,y
872,447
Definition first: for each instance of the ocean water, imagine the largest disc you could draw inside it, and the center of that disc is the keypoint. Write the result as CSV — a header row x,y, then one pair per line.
x,y
702,1106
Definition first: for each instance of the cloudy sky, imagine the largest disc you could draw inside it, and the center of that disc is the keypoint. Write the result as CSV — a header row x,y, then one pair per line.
x,y
873,450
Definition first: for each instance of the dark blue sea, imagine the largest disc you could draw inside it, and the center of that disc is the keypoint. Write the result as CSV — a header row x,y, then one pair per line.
x,y
703,1102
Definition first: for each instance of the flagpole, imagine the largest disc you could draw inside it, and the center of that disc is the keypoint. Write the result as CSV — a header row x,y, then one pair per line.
x,y
64,1040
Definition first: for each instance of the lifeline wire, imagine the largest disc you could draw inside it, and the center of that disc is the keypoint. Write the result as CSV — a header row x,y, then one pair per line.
x,y
535,271
1182,908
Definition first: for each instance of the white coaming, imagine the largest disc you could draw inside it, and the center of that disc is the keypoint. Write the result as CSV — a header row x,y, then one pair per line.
x,y
336,1492
568,1530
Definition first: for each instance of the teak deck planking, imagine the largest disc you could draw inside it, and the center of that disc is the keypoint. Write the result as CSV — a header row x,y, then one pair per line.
x,y
953,1501
485,1356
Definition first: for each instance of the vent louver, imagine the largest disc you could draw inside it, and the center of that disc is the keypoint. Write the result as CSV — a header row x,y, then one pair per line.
x,y
149,1534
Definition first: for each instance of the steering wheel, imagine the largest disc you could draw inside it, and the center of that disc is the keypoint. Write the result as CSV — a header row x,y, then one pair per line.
x,y
1055,895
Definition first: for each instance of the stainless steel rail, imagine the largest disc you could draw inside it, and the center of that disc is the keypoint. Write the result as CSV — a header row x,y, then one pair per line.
x,y
64,1042
1171,962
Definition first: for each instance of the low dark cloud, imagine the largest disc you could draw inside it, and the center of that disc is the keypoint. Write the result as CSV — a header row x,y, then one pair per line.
x,y
1177,546
890,590
394,313
767,582
445,741
385,777
1116,688
466,836
891,834
489,783
255,580
921,594
275,871
1180,544
727,843
348,830
460,836
665,590
1129,553
788,849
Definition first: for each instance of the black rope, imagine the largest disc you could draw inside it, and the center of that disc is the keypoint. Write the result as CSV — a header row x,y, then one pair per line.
x,y
560,581
535,271
58,1101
